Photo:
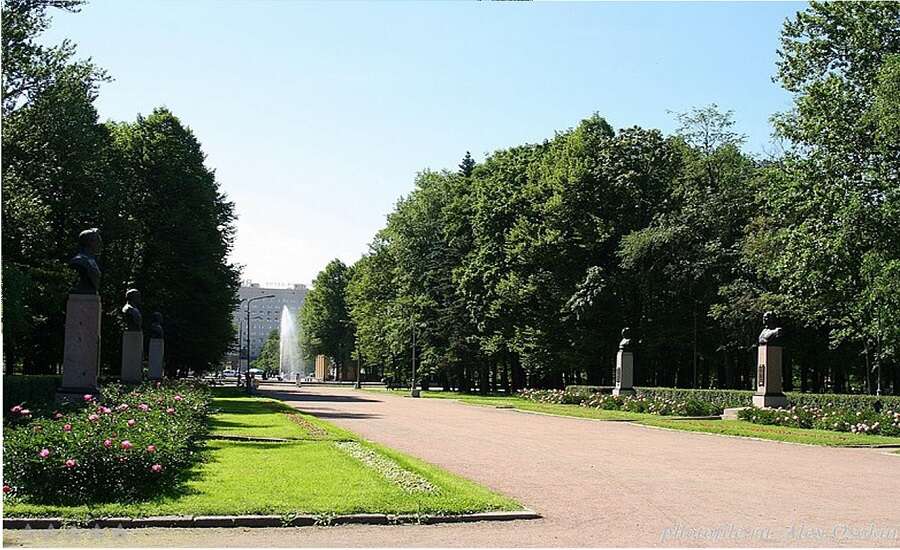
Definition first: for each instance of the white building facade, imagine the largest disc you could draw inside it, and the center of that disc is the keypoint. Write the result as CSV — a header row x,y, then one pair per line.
x,y
265,314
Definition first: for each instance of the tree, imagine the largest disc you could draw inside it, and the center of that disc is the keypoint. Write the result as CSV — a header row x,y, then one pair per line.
x,y
830,223
467,166
181,247
269,358
326,326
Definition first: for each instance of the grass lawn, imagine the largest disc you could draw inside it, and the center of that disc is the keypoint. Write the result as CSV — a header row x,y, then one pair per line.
x,y
776,433
724,427
239,415
312,475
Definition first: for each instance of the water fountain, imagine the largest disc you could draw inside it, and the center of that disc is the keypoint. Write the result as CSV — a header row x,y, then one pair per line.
x,y
289,352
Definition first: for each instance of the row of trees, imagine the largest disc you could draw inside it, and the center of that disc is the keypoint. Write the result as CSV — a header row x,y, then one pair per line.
x,y
167,229
522,270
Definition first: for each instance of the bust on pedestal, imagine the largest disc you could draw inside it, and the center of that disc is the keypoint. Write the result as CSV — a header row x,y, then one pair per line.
x,y
157,348
768,370
132,339
81,354
625,365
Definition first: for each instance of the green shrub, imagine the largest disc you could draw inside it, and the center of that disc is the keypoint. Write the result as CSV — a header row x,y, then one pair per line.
x,y
651,405
133,444
835,418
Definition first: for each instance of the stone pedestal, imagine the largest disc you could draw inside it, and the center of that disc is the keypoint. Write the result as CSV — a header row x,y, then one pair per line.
x,y
624,373
132,356
81,354
768,378
155,357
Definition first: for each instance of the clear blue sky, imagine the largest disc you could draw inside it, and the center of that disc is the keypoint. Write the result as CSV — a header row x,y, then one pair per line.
x,y
317,116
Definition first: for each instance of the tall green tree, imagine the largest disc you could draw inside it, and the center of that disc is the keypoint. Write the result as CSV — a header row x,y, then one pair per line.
x,y
184,231
830,230
326,326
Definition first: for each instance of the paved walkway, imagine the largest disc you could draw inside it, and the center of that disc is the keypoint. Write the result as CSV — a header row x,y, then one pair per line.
x,y
595,483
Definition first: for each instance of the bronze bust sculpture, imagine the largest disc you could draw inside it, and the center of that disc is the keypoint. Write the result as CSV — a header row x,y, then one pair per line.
x,y
130,312
156,329
626,344
771,334
85,262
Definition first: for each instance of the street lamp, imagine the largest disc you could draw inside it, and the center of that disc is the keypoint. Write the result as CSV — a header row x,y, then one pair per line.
x,y
358,380
247,374
413,392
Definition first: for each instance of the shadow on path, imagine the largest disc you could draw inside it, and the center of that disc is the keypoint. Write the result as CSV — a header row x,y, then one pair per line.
x,y
315,398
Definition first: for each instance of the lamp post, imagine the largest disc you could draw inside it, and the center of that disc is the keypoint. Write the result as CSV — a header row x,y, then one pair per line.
x,y
358,371
413,392
247,374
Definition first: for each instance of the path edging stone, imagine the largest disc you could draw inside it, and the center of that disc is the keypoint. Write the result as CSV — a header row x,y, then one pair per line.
x,y
304,520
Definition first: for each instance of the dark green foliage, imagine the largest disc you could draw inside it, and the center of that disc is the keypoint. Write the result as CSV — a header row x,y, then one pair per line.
x,y
112,460
29,391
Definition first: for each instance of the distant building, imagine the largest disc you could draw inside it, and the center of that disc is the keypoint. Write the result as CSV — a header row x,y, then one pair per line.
x,y
265,315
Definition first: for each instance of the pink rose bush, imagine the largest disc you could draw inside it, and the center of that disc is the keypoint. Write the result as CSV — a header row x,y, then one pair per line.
x,y
111,447
867,421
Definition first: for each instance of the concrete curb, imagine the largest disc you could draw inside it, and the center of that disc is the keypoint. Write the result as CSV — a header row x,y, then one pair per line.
x,y
262,521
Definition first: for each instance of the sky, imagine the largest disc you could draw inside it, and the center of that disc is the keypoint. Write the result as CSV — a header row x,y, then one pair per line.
x,y
316,117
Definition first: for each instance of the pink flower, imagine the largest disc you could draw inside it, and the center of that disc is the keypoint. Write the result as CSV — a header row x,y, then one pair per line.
x,y
127,445
105,410
71,463
16,410
57,416
67,427
93,418
25,412
44,453
122,407
178,398
131,423
6,489
88,397
144,407
156,468
170,410
107,443
151,448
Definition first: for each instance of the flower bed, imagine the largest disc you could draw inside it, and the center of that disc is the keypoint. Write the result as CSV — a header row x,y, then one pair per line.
x,y
133,443
724,399
835,418
671,406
